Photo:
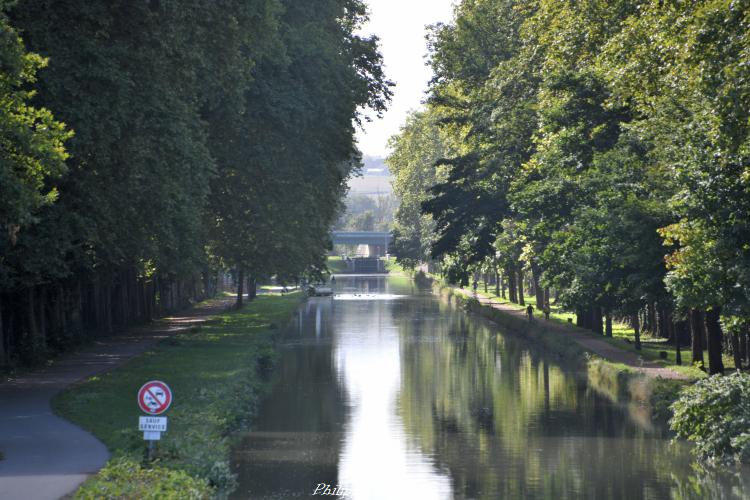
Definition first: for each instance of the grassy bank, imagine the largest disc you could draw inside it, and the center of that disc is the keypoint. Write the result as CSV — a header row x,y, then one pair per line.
x,y
623,336
217,373
645,397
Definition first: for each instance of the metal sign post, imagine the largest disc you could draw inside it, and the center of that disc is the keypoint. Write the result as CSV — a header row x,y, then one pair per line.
x,y
154,398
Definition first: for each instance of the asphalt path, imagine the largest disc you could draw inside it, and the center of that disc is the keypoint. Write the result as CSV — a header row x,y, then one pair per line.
x,y
45,456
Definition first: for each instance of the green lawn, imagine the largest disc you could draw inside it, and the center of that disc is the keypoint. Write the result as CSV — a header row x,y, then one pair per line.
x,y
216,372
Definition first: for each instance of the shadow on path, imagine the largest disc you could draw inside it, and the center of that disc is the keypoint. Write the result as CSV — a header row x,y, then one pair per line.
x,y
46,457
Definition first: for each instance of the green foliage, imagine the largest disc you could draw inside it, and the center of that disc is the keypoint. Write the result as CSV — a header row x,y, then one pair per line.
x,y
32,154
715,414
367,213
588,140
278,194
126,478
415,152
208,136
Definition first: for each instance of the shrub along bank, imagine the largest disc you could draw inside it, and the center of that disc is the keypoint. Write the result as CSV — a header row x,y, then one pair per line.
x,y
217,373
715,414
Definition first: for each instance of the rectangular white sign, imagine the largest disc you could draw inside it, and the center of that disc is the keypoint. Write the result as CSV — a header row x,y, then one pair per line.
x,y
151,436
154,424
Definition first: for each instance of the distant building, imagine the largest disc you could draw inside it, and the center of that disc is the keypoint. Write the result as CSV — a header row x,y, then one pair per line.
x,y
374,181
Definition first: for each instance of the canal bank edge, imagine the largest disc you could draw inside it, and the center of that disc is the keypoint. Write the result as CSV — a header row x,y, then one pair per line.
x,y
218,372
646,397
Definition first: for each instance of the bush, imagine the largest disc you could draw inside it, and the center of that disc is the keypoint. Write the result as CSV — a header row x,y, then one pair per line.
x,y
126,479
714,413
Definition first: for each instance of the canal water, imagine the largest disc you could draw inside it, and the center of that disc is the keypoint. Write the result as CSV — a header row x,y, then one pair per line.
x,y
387,392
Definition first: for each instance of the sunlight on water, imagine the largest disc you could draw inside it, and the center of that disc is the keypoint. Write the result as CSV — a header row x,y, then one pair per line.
x,y
367,296
387,392
369,368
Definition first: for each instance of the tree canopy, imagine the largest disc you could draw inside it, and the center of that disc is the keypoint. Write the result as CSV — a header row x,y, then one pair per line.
x,y
603,147
148,146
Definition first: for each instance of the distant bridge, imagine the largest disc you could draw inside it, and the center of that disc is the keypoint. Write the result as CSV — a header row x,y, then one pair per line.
x,y
377,241
372,238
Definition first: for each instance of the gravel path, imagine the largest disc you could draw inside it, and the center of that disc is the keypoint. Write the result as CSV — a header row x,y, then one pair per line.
x,y
593,344
45,456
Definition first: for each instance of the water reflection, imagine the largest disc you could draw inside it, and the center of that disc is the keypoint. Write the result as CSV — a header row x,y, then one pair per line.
x,y
392,393
377,456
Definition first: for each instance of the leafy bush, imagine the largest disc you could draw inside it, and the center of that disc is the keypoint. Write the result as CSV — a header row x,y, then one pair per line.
x,y
714,413
126,479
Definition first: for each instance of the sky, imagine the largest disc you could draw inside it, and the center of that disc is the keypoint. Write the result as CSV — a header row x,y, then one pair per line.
x,y
400,24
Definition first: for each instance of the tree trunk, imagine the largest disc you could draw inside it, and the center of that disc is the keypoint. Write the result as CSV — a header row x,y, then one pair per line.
x,y
608,323
676,334
240,285
41,311
108,307
3,354
546,297
538,290
521,299
580,317
512,286
497,285
736,354
588,318
663,322
61,325
650,323
713,335
484,280
696,334
746,344
33,332
597,320
637,330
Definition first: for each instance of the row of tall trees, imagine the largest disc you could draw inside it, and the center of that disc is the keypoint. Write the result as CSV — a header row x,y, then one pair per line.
x,y
604,148
148,145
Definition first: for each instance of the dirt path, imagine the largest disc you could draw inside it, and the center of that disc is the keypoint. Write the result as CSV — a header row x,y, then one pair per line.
x,y
46,457
597,346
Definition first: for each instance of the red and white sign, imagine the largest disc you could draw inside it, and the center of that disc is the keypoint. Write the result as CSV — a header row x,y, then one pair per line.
x,y
154,397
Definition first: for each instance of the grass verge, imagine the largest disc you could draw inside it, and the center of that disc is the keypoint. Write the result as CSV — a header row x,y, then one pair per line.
x,y
217,373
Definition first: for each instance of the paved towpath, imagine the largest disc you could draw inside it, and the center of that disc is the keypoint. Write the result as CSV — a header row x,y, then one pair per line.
x,y
46,457
593,344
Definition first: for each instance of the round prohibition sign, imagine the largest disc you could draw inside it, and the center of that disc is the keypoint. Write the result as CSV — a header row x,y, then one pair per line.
x,y
154,397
